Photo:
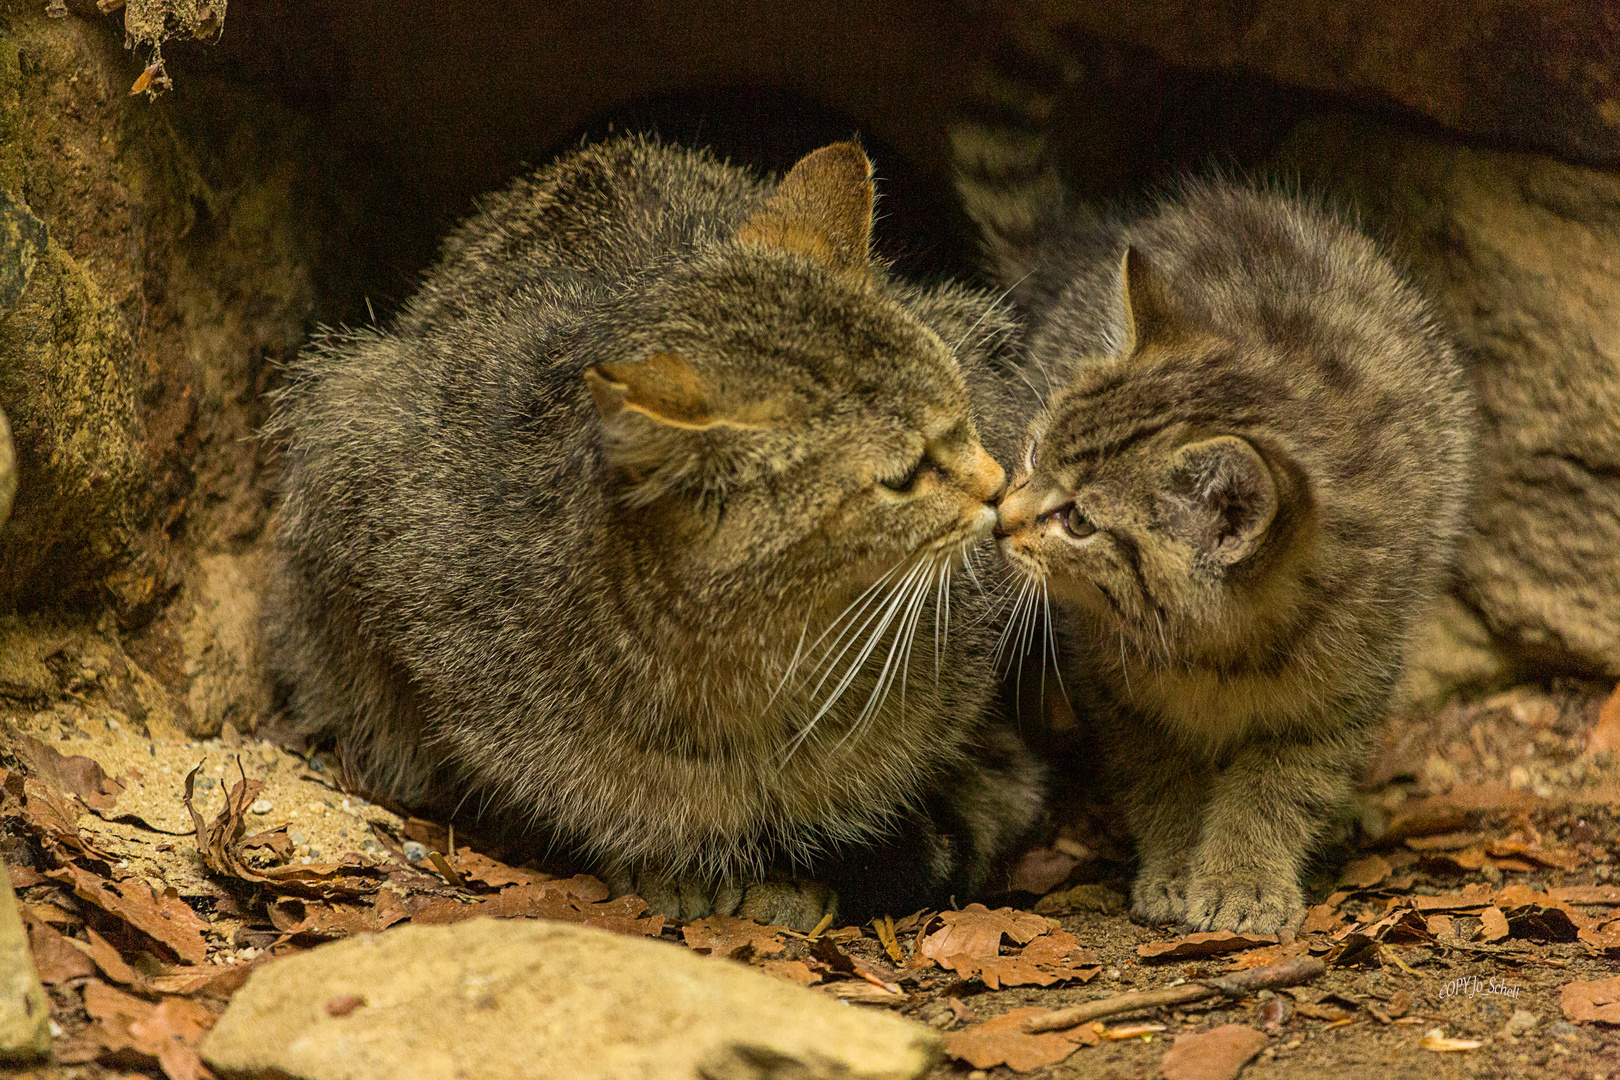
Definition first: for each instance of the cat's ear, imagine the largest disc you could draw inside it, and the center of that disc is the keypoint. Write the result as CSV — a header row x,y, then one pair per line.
x,y
1144,302
1222,497
823,209
662,387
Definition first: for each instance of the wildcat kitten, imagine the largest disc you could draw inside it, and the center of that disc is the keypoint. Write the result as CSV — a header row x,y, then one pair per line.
x,y
1245,483
622,533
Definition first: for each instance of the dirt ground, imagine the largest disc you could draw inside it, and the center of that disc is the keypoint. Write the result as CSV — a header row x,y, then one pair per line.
x,y
1482,882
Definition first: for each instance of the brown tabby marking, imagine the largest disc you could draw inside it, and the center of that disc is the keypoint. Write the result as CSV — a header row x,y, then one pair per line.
x,y
621,537
1245,484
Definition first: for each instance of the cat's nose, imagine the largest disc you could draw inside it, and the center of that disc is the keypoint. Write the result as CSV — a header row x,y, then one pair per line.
x,y
1000,491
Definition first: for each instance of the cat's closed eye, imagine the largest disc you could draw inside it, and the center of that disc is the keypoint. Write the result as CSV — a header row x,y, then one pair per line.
x,y
906,482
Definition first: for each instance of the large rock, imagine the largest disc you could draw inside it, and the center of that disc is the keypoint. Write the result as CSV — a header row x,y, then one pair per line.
x,y
1522,72
1523,255
25,1013
497,999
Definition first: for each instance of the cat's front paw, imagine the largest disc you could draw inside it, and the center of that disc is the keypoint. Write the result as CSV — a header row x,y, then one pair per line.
x,y
1158,898
681,898
798,905
1252,901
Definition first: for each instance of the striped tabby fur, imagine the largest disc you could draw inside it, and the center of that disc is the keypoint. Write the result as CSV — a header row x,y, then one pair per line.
x,y
623,535
1245,482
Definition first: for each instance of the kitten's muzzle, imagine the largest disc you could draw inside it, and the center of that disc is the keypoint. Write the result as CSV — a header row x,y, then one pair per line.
x,y
1017,510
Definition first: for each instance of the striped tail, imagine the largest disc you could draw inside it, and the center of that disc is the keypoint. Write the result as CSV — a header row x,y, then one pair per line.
x,y
1004,175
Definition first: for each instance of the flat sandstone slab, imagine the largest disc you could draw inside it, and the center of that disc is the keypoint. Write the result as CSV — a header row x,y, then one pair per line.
x,y
497,999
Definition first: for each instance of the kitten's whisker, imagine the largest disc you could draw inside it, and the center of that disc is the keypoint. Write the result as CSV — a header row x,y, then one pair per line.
x,y
1007,631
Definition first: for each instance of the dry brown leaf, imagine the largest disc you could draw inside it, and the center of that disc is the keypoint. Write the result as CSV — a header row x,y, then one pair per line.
x,y
55,817
1605,937
1605,734
727,935
72,775
1556,858
481,868
1437,1041
1209,943
276,841
163,917
1050,958
1595,1001
295,916
1473,896
794,971
1002,1041
1217,1054
1606,895
55,957
542,901
207,980
1452,841
976,931
864,993
1040,870
1267,955
1365,873
1321,919
168,1031
1495,924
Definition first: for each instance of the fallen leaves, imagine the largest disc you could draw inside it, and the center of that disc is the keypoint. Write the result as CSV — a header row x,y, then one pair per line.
x,y
1217,1054
161,916
1209,943
969,942
1597,1001
164,1034
1002,1041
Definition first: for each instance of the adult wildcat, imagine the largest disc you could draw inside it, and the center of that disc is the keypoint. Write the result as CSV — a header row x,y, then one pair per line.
x,y
622,533
1245,482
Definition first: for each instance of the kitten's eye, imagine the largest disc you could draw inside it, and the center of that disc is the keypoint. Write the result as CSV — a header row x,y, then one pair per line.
x,y
1078,525
905,483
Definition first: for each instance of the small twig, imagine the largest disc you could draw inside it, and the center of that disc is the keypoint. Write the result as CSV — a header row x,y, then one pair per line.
x,y
442,864
1288,973
885,934
820,928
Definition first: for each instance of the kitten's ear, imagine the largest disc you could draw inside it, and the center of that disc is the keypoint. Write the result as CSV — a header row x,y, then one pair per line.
x,y
1222,497
823,209
662,387
1143,297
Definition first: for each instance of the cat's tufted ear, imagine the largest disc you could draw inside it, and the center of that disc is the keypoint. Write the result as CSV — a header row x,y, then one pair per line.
x,y
1221,497
662,387
1144,301
823,209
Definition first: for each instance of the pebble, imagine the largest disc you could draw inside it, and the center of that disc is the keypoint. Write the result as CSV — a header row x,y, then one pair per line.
x,y
415,852
261,806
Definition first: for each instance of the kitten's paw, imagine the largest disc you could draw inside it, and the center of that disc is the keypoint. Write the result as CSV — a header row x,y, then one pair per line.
x,y
798,905
1245,901
1158,898
679,898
